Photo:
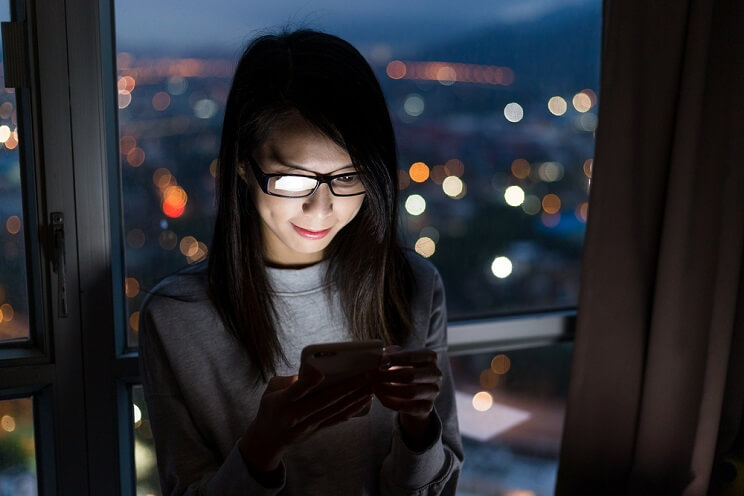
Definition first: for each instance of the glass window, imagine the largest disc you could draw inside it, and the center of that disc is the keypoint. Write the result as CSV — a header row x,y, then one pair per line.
x,y
494,106
17,452
145,464
510,407
13,294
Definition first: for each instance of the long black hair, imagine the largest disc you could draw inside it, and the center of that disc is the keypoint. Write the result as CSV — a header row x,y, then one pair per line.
x,y
328,83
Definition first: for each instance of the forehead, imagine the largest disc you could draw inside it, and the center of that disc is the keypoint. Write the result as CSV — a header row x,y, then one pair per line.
x,y
294,142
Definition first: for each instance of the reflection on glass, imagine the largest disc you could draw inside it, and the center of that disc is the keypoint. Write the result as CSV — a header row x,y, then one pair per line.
x,y
145,464
17,453
494,106
13,294
510,407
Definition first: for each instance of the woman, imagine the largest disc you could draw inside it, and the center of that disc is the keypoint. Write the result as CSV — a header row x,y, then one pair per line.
x,y
304,251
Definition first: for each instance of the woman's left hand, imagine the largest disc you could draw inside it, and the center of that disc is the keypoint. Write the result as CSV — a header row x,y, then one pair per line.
x,y
409,383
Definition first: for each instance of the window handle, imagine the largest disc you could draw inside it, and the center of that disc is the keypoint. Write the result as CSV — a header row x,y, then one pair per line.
x,y
58,262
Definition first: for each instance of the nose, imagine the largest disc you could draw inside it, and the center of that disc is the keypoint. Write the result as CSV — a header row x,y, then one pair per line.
x,y
320,203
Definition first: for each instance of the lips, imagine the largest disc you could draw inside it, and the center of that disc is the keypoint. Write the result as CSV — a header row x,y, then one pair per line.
x,y
307,233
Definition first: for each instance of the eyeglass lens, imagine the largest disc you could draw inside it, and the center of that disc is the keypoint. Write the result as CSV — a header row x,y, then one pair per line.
x,y
299,186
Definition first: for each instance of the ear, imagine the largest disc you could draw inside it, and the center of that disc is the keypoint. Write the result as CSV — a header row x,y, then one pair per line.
x,y
241,171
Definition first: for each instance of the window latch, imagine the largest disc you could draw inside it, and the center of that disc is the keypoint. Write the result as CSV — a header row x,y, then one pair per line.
x,y
15,60
58,261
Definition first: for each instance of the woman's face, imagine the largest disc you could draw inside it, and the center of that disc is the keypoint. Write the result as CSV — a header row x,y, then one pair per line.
x,y
296,231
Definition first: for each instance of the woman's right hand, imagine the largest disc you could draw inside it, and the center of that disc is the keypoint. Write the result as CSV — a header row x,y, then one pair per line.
x,y
291,410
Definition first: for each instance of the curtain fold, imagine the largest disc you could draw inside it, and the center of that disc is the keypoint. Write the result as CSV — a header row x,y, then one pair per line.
x,y
656,392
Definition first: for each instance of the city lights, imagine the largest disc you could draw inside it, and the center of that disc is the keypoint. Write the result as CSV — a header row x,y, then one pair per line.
x,y
419,172
514,196
550,171
453,186
415,204
134,321
167,240
448,73
136,238
513,112
501,267
551,203
482,401
557,105
7,423
454,167
500,364
6,309
520,168
13,224
588,164
205,108
582,102
414,105
532,205
131,287
4,133
425,247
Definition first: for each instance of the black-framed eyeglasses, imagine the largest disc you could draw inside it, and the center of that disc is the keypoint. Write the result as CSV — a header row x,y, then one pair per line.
x,y
298,186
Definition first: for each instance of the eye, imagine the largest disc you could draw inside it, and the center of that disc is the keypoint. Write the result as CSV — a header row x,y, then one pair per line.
x,y
347,179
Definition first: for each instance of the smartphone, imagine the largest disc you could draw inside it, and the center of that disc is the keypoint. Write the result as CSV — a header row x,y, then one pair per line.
x,y
340,361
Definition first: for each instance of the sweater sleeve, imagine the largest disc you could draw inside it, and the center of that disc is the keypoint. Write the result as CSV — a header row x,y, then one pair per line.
x,y
187,465
435,470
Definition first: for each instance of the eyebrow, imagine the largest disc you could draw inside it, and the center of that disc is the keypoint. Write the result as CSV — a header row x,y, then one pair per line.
x,y
277,159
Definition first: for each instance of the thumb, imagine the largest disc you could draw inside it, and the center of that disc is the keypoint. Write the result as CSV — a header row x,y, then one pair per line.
x,y
279,382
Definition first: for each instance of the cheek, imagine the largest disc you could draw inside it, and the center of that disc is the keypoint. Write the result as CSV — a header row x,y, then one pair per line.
x,y
351,210
272,208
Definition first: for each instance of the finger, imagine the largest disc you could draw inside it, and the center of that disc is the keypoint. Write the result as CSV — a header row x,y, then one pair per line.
x,y
330,416
415,357
410,375
279,382
408,391
414,407
309,379
347,413
333,399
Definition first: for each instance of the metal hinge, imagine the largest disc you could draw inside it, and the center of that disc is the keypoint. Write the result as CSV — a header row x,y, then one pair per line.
x,y
58,260
15,55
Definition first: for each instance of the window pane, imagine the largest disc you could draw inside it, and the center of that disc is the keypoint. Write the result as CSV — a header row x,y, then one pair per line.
x,y
510,407
17,452
13,293
145,464
494,105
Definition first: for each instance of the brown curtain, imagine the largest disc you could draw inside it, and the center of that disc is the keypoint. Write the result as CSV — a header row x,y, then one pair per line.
x,y
655,405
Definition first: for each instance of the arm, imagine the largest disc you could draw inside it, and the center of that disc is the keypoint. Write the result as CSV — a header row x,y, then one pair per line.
x,y
431,469
186,464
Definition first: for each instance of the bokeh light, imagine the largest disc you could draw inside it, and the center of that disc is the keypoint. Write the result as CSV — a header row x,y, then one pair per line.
x,y
419,172
482,401
557,105
500,364
551,203
13,224
425,247
514,196
414,105
452,186
501,267
520,168
550,171
131,287
415,204
513,112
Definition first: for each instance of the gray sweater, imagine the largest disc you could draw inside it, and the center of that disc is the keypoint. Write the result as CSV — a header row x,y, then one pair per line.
x,y
201,395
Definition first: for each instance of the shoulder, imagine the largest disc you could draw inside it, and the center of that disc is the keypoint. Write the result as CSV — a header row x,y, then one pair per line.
x,y
188,284
425,274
